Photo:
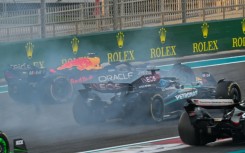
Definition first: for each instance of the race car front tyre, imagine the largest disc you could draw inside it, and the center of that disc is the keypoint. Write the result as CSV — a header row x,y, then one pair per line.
x,y
189,134
4,144
157,108
228,90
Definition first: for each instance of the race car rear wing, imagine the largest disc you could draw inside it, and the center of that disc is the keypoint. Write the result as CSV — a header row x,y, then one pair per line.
x,y
211,103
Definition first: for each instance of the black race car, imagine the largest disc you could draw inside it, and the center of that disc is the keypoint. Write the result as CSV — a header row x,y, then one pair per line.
x,y
19,145
206,120
155,96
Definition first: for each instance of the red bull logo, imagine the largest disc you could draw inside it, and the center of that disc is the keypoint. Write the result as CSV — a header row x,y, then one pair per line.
x,y
82,63
81,80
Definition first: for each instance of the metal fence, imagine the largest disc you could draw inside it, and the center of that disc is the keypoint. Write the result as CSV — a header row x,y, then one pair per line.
x,y
32,19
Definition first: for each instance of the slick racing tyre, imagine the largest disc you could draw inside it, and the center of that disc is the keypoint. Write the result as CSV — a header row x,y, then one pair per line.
x,y
57,89
228,90
157,108
184,73
4,144
87,113
189,134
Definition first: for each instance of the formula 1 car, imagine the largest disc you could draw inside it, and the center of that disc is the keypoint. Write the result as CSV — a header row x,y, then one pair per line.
x,y
206,120
150,97
27,83
19,145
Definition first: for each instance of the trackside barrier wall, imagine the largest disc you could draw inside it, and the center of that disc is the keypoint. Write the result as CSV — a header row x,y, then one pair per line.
x,y
143,44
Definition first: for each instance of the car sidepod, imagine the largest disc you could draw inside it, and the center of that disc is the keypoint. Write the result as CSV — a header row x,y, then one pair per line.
x,y
176,99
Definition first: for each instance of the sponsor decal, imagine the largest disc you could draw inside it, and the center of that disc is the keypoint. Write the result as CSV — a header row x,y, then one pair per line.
x,y
75,45
243,26
107,86
186,95
213,102
121,56
19,142
239,42
35,72
140,73
21,66
29,50
40,64
120,76
149,79
81,79
117,56
120,39
162,51
145,86
206,75
205,27
205,46
82,63
25,66
163,34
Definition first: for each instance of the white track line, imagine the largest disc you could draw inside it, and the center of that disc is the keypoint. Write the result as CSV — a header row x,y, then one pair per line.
x,y
123,146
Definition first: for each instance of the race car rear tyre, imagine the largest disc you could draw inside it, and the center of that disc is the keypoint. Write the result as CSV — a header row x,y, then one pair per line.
x,y
182,72
4,144
85,114
80,111
20,92
188,133
157,108
228,90
57,89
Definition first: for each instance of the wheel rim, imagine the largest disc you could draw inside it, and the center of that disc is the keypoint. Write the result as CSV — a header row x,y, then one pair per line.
x,y
61,89
3,146
157,109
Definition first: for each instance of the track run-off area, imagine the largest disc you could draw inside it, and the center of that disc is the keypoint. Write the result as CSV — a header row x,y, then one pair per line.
x,y
52,129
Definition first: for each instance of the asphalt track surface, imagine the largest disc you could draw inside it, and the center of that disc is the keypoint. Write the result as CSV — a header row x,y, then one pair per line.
x,y
52,129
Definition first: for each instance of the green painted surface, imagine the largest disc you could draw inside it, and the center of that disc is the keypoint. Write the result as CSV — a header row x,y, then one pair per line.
x,y
138,44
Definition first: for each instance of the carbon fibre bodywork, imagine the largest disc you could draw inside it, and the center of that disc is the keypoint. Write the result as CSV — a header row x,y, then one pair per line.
x,y
206,120
29,83
148,97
